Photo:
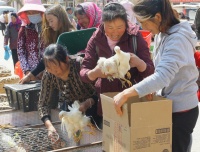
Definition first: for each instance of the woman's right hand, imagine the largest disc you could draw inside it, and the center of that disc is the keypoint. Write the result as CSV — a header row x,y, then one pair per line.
x,y
50,128
27,78
96,73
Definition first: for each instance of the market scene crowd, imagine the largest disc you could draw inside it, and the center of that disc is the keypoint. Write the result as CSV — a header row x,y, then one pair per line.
x,y
168,69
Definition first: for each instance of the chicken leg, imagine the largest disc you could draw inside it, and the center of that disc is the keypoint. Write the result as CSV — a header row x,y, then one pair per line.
x,y
123,81
128,75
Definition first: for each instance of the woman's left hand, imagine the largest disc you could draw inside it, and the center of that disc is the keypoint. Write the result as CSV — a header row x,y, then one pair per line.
x,y
135,61
86,105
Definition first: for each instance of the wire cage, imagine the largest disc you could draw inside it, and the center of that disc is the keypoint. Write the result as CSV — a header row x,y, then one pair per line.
x,y
27,140
36,139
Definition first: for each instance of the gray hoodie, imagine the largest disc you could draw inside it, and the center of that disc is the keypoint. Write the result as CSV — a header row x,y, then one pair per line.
x,y
175,69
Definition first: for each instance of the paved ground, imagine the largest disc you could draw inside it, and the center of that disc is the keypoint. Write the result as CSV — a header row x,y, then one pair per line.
x,y
196,134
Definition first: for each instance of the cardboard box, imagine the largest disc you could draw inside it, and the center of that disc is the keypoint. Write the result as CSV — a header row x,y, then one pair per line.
x,y
145,126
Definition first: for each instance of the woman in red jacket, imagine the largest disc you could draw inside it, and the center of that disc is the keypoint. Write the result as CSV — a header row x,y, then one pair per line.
x,y
115,30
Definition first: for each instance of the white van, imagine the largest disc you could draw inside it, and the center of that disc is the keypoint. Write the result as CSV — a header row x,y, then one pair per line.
x,y
7,8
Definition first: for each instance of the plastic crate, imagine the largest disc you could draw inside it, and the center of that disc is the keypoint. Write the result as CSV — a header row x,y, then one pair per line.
x,y
147,36
75,41
23,97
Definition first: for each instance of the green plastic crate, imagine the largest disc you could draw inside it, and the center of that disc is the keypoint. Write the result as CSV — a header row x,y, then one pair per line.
x,y
75,41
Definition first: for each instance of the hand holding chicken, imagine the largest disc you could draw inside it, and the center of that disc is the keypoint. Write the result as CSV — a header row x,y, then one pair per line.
x,y
73,121
116,66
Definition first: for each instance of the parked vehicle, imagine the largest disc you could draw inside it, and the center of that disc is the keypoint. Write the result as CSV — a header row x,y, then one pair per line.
x,y
6,8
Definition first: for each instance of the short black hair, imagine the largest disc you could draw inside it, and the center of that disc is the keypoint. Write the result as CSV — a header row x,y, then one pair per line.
x,y
55,52
5,12
114,11
14,14
68,8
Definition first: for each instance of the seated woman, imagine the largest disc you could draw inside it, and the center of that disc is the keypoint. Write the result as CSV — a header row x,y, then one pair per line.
x,y
62,73
88,15
115,30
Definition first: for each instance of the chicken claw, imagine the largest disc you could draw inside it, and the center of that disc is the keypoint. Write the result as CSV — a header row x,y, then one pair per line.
x,y
123,81
77,136
128,76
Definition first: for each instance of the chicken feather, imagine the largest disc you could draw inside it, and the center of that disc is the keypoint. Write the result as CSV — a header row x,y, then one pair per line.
x,y
116,66
73,120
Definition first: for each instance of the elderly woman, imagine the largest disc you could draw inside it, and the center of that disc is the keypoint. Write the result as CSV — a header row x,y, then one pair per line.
x,y
88,15
11,34
115,30
62,73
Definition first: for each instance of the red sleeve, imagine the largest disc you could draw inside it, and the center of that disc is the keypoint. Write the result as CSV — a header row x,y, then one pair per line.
x,y
197,58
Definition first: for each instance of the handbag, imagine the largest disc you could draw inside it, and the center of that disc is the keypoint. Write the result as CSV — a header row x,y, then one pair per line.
x,y
7,52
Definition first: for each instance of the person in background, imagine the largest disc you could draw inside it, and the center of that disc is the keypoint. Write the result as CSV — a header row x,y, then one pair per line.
x,y
3,21
62,73
11,34
70,15
197,23
175,73
176,14
115,30
55,22
88,15
29,42
128,7
183,16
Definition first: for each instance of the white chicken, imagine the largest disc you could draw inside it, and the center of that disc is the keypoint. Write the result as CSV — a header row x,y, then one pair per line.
x,y
116,66
73,121
109,67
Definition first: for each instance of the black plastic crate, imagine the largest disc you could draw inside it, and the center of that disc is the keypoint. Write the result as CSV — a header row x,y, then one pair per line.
x,y
23,97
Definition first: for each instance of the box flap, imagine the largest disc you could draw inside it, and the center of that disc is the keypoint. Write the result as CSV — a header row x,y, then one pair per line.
x,y
109,109
151,113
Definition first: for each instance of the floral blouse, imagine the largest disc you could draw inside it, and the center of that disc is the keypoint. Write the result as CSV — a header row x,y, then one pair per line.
x,y
70,90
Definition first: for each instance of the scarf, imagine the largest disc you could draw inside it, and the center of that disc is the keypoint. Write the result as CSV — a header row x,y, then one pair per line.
x,y
93,12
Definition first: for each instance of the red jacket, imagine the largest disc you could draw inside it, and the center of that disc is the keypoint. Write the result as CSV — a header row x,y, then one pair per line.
x,y
99,40
197,60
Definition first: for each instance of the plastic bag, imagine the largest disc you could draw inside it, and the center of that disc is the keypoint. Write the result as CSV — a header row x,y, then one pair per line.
x,y
7,52
18,71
